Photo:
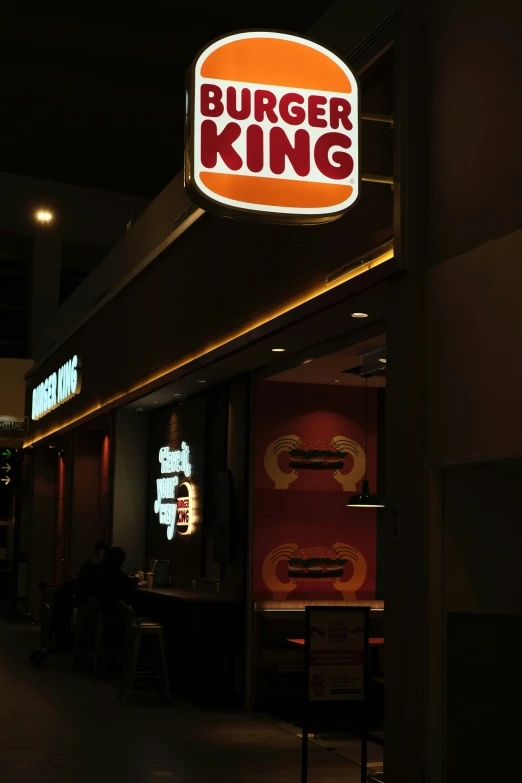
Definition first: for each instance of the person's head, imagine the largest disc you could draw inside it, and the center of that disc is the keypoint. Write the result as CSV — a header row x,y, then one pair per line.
x,y
100,549
115,557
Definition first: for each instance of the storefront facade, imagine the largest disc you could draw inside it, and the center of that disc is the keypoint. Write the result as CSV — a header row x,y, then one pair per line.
x,y
176,403
174,365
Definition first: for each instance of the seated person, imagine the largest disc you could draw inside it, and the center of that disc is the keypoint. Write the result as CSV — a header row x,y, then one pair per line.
x,y
86,581
112,584
73,592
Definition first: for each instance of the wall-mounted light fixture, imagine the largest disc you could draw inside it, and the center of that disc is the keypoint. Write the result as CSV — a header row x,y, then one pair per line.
x,y
365,498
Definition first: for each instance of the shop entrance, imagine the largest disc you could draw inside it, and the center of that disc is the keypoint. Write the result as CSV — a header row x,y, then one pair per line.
x,y
318,432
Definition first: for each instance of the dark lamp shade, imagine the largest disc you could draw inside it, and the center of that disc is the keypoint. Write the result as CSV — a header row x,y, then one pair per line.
x,y
365,499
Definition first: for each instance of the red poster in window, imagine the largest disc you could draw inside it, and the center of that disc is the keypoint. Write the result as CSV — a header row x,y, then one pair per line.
x,y
310,457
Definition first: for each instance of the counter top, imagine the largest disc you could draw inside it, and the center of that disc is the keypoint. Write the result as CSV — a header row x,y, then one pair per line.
x,y
376,606
178,594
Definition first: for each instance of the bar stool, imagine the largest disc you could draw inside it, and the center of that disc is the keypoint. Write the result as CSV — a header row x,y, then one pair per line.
x,y
135,630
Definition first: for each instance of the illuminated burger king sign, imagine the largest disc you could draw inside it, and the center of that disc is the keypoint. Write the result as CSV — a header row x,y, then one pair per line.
x,y
272,129
173,502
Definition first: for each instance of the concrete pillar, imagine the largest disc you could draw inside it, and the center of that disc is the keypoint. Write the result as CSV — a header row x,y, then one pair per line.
x,y
129,514
45,285
42,501
408,709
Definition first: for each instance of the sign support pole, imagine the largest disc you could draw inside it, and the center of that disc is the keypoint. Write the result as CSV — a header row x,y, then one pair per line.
x,y
306,706
304,748
364,707
364,747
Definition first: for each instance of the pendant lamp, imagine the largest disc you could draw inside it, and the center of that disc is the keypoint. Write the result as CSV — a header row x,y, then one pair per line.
x,y
365,498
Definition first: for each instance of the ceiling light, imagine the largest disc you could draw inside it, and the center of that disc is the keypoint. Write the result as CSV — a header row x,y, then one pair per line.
x,y
383,361
176,394
44,216
201,381
156,402
278,350
307,361
359,315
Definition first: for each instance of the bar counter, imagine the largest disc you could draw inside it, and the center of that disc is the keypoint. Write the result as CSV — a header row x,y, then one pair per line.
x,y
204,638
179,594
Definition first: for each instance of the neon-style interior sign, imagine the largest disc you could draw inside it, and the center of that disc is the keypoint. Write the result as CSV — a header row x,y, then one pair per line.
x,y
57,388
173,501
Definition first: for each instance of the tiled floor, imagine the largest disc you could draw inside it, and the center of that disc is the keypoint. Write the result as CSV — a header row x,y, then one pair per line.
x,y
59,726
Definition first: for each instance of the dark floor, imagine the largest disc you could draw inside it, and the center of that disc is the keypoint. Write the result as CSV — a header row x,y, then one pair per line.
x,y
59,725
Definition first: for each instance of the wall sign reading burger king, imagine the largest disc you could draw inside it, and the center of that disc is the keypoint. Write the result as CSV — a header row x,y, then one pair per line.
x,y
272,130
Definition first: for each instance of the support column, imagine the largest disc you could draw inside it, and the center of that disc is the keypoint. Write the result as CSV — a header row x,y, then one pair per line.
x,y
41,506
45,285
408,711
129,511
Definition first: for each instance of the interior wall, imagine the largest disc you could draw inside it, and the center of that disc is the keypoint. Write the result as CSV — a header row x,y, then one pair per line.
x,y
473,373
474,339
238,465
12,387
59,533
482,512
216,426
228,427
129,513
475,123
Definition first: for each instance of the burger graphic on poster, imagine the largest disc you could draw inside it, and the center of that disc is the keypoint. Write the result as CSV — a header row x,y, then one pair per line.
x,y
341,457
316,563
342,565
318,458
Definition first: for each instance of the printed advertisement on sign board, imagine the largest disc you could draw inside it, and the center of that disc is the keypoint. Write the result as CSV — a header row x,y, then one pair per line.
x,y
272,129
337,650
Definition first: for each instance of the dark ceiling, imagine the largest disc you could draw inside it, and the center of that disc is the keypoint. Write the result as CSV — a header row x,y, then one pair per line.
x,y
93,94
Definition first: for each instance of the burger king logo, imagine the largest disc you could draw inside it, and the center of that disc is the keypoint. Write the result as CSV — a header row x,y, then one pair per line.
x,y
272,130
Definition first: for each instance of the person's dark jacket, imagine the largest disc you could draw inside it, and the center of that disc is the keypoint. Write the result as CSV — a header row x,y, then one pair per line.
x,y
87,579
112,585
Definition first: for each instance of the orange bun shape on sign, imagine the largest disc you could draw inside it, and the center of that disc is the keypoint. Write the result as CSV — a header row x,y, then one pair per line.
x,y
272,130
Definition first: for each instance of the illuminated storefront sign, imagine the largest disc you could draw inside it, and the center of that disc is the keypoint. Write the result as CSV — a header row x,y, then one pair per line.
x,y
12,423
173,501
272,129
57,389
